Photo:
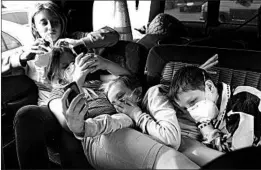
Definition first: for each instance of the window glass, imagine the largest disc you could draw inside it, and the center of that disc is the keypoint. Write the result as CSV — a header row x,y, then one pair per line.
x,y
21,17
238,11
185,10
9,17
3,47
10,41
103,14
17,17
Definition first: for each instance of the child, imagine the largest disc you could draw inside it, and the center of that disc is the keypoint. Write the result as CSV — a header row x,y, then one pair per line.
x,y
228,119
100,117
152,113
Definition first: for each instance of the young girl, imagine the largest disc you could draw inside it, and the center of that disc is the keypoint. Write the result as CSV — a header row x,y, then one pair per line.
x,y
48,25
37,127
64,68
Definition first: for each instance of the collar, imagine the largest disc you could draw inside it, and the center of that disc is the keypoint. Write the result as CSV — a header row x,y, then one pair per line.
x,y
224,91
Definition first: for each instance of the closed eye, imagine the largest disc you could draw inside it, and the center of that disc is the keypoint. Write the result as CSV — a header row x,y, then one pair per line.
x,y
192,102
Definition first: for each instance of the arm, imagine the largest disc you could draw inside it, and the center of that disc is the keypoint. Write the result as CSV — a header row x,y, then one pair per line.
x,y
55,105
162,122
20,58
11,62
100,63
104,37
105,124
116,69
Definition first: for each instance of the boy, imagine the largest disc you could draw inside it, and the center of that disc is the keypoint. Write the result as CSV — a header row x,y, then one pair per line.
x,y
228,118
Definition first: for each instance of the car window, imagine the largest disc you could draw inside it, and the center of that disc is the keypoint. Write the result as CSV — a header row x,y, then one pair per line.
x,y
185,10
3,46
103,14
10,41
17,17
238,12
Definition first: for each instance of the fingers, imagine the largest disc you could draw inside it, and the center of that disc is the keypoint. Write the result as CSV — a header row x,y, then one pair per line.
x,y
87,71
88,64
44,48
79,106
213,59
84,111
211,65
86,59
130,103
62,42
76,102
64,99
118,108
78,58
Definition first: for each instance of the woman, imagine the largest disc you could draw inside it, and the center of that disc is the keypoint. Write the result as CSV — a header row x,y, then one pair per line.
x,y
36,127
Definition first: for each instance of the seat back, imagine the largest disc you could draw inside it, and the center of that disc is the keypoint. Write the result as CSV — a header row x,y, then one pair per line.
x,y
236,67
129,55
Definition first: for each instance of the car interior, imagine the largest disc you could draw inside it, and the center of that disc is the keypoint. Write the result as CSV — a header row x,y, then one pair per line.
x,y
154,58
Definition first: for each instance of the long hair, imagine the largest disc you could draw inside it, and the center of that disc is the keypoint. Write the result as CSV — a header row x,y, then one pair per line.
x,y
52,8
54,70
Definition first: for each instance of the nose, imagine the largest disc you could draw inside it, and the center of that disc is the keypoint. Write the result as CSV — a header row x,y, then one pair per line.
x,y
50,25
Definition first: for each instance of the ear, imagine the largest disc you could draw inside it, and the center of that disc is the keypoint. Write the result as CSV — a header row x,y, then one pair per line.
x,y
138,91
209,86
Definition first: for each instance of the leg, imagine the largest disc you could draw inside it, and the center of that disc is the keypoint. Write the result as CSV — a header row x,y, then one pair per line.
x,y
129,149
71,152
17,91
34,127
169,158
197,152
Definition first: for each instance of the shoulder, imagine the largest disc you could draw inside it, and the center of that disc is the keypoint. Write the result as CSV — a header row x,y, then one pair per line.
x,y
158,89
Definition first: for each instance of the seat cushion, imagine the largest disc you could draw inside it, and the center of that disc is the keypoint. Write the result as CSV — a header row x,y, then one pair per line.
x,y
234,77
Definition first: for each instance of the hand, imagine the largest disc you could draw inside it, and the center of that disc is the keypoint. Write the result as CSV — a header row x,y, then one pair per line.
x,y
99,63
127,107
74,115
37,47
82,68
68,41
210,63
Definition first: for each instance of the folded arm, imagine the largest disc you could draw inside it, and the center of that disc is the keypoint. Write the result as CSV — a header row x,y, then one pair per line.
x,y
11,62
105,124
161,123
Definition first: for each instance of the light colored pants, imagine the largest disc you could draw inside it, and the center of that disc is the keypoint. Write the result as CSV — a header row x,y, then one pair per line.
x,y
123,149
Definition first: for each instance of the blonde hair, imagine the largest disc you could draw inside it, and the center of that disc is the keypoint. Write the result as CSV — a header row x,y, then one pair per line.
x,y
130,82
54,9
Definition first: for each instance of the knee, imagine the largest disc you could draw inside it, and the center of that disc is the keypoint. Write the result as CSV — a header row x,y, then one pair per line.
x,y
172,159
27,115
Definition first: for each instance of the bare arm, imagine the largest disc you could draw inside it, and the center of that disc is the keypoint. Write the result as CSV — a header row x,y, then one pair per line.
x,y
104,37
55,106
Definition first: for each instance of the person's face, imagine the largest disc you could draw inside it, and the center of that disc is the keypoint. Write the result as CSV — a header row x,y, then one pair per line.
x,y
190,98
118,91
66,62
47,23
